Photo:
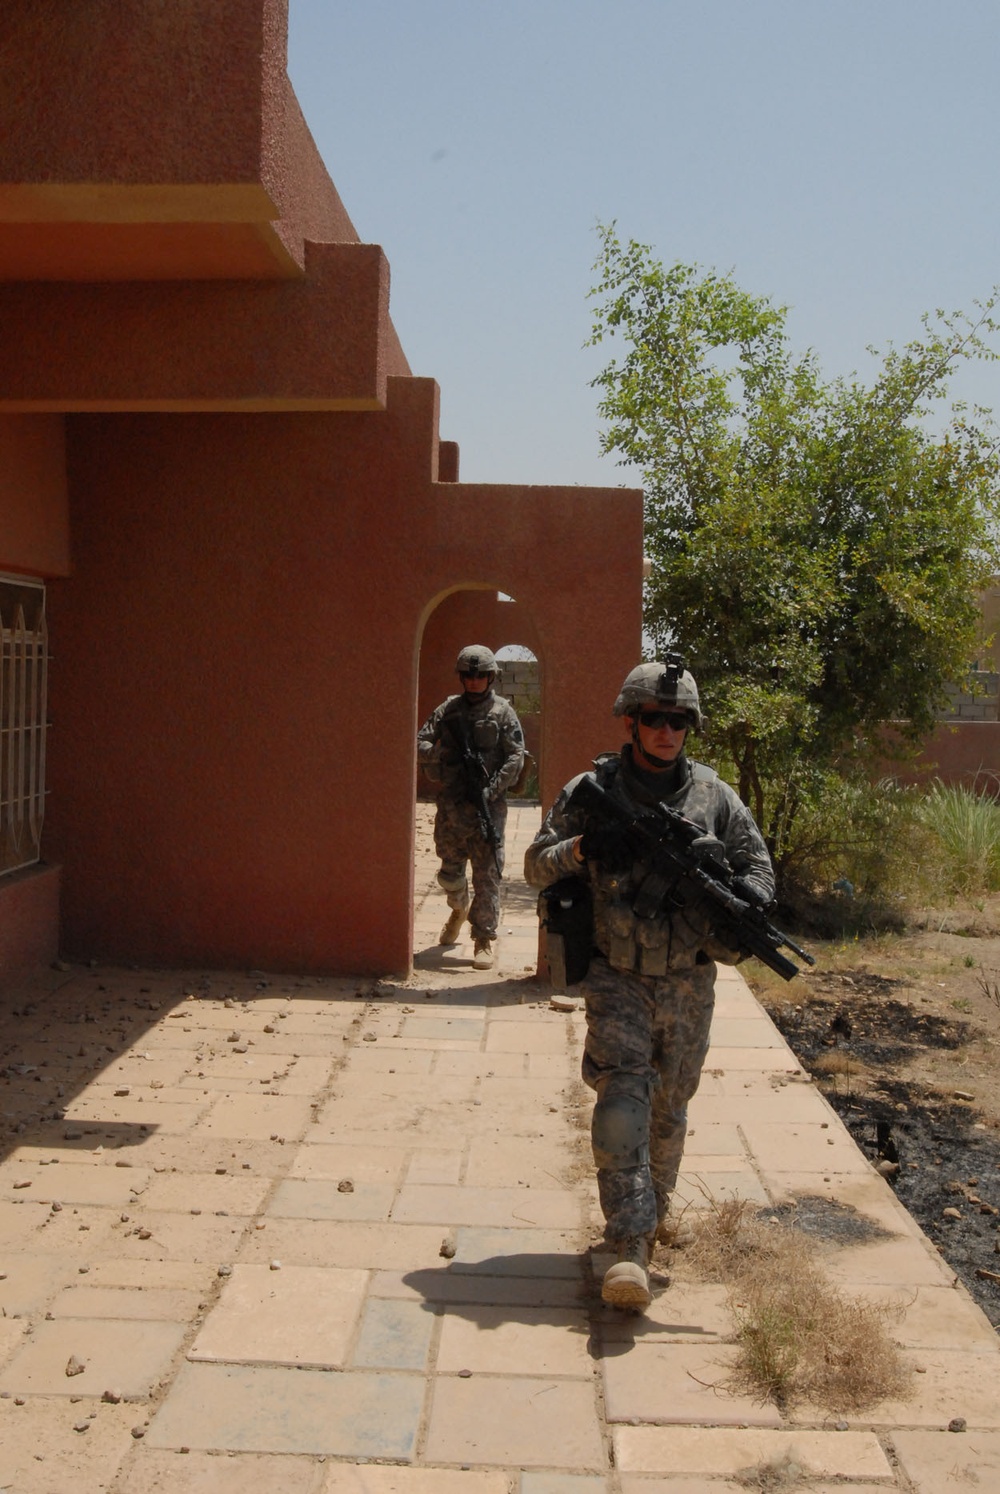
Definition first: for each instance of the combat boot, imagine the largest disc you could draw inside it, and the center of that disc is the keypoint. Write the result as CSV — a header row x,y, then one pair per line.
x,y
449,934
482,955
626,1283
674,1231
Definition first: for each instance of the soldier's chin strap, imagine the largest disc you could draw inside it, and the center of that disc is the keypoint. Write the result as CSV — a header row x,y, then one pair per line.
x,y
649,757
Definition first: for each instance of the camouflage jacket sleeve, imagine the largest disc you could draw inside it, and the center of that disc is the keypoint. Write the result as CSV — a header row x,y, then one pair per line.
x,y
511,747
745,849
550,855
428,737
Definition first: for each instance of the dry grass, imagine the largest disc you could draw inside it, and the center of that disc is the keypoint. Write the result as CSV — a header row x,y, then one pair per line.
x,y
771,1478
799,1337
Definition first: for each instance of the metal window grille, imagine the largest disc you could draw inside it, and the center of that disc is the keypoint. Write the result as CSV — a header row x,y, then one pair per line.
x,y
23,677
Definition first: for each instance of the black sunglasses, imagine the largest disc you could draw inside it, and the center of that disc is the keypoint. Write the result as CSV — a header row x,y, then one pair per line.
x,y
473,674
676,720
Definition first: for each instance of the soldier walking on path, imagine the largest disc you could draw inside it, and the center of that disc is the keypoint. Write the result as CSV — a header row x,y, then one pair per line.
x,y
472,749
650,986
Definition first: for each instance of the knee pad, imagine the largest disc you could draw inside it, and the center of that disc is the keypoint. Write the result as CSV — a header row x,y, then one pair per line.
x,y
451,881
619,1131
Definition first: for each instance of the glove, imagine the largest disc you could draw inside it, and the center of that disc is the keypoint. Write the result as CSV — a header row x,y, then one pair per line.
x,y
608,845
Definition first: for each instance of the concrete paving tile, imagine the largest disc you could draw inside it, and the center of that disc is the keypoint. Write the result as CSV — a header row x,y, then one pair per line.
x,y
166,1067
866,1192
491,1065
310,1242
184,1276
137,1303
394,1334
907,1261
770,1059
562,1483
180,1237
43,1453
248,1408
369,1479
687,1311
155,1471
641,1483
397,1060
697,1189
28,1282
543,1208
236,1193
73,1183
120,1355
373,1164
322,1198
298,1315
791,1104
526,1037
941,1462
196,1152
514,1422
442,1029
431,1167
695,1162
12,1331
726,1451
553,1065
258,1116
175,1117
509,1162
745,1032
519,1252
679,1383
940,1317
708,1139
78,1233
954,1382
795,1147
550,1341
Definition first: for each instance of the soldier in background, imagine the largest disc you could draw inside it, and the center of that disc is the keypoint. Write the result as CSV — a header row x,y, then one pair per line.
x,y
472,749
650,987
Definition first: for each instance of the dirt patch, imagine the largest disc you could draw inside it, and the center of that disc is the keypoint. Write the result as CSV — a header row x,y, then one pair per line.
x,y
902,1034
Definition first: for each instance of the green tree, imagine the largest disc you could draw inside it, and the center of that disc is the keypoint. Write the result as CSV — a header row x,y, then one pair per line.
x,y
816,551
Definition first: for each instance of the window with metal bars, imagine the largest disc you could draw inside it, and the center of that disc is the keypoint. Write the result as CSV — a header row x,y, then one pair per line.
x,y
23,675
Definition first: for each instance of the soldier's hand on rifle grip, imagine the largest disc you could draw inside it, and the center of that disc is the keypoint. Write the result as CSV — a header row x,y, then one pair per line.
x,y
608,845
709,847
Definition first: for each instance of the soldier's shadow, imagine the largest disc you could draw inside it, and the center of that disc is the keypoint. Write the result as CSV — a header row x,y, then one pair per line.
x,y
534,1288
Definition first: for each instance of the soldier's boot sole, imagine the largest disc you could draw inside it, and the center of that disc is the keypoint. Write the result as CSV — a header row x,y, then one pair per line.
x,y
626,1285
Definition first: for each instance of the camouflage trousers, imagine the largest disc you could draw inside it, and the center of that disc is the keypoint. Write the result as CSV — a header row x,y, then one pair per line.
x,y
459,841
647,1037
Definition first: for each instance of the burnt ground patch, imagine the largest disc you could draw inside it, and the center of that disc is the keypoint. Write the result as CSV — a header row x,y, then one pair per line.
x,y
934,1149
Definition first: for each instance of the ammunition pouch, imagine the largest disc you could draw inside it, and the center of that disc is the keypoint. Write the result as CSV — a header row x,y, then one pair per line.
x,y
566,913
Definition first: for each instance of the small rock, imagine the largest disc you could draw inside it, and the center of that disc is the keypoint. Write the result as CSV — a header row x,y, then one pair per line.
x,y
121,1093
138,1432
962,1094
345,1186
465,1374
369,1037
447,1249
886,1168
275,1266
564,1004
951,1213
224,1271
81,1426
957,1424
74,1366
113,1397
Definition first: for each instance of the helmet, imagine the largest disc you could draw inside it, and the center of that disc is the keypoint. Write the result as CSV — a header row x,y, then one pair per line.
x,y
476,656
666,684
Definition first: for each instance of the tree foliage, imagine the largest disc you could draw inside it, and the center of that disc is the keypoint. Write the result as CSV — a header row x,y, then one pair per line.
x,y
816,550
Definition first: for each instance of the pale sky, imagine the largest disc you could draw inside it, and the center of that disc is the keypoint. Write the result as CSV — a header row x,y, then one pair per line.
x,y
840,158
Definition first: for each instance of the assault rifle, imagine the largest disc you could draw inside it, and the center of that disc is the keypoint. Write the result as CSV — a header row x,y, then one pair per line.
x,y
679,873
476,782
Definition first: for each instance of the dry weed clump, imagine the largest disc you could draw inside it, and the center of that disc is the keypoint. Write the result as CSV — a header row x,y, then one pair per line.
x,y
799,1337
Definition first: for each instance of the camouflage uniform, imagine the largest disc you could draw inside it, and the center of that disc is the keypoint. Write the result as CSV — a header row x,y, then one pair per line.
x,y
650,989
495,733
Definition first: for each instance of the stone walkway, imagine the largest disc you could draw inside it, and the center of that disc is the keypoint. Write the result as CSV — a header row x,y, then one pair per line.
x,y
263,1232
